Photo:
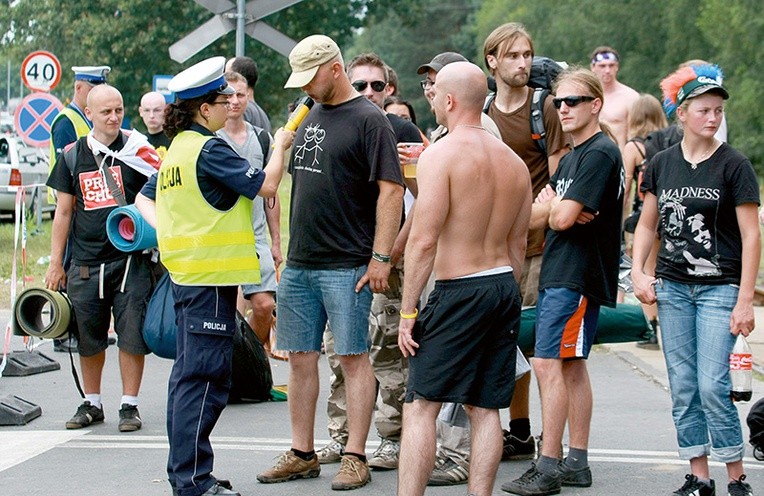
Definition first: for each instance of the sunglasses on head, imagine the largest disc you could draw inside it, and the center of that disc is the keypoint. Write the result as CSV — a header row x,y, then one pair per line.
x,y
571,101
375,85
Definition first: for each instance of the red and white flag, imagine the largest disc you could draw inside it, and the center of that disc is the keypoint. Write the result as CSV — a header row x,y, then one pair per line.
x,y
138,154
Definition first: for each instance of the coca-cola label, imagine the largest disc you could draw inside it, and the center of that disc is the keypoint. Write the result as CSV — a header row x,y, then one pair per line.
x,y
740,361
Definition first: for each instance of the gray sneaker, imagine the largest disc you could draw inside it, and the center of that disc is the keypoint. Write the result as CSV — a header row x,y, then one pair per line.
x,y
219,490
86,415
448,473
129,418
386,456
534,483
331,453
576,478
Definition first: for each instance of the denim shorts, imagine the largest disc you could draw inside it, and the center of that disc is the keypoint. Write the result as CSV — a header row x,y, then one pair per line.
x,y
695,330
308,299
566,324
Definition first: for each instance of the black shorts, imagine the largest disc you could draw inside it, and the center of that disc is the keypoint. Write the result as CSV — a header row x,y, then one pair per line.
x,y
467,337
96,292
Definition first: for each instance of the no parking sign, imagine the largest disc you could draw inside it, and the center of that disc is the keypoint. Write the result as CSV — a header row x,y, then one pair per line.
x,y
34,117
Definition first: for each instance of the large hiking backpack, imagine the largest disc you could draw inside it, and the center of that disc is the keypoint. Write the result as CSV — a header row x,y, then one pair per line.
x,y
543,73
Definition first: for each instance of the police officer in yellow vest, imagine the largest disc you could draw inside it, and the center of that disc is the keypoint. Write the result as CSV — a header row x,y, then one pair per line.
x,y
68,126
201,205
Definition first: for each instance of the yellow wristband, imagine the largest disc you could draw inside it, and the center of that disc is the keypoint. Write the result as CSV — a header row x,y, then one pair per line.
x,y
410,315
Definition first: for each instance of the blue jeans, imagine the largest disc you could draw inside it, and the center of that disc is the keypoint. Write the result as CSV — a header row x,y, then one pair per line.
x,y
695,326
308,298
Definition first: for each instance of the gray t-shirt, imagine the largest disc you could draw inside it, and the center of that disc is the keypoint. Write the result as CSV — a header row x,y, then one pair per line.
x,y
253,152
255,115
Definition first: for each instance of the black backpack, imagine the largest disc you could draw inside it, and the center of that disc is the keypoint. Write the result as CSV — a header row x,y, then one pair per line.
x,y
251,378
755,422
543,73
660,140
654,142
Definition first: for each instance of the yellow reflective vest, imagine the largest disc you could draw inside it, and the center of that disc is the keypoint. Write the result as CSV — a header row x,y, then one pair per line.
x,y
199,244
81,128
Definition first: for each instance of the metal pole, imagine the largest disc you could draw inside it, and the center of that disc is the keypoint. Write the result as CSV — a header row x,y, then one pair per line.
x,y
240,23
8,88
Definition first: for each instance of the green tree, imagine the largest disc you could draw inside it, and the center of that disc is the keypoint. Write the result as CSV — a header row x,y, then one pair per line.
x,y
134,37
737,51
406,38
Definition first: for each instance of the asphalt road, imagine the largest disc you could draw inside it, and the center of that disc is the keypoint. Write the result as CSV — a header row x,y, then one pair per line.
x,y
633,447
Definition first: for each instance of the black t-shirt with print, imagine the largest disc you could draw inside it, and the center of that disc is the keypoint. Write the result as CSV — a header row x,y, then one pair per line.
x,y
700,235
339,153
585,257
94,203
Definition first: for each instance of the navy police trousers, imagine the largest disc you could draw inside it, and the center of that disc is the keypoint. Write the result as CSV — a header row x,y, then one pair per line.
x,y
199,382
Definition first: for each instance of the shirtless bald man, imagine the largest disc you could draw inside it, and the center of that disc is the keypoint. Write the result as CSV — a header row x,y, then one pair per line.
x,y
470,226
618,97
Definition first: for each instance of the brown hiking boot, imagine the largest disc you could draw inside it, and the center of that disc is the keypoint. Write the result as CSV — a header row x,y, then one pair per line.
x,y
289,467
353,474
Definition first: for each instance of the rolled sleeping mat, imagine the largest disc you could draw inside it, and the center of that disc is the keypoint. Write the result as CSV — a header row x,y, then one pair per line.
x,y
128,231
42,313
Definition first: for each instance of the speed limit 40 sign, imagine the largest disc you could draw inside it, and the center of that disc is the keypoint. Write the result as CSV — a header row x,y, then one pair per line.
x,y
41,71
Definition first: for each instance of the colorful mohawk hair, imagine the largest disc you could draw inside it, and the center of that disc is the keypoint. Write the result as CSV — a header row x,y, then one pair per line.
x,y
680,84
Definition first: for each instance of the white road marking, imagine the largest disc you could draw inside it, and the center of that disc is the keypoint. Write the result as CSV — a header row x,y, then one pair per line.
x,y
19,446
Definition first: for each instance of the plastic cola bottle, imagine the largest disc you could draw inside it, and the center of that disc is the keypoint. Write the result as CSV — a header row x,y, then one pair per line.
x,y
741,372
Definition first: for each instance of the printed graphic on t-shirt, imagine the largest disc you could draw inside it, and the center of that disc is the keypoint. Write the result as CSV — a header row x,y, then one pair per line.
x,y
690,241
95,191
306,156
562,186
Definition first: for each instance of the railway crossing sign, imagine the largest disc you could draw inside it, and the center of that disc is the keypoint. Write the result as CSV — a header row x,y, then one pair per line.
x,y
225,20
34,117
41,71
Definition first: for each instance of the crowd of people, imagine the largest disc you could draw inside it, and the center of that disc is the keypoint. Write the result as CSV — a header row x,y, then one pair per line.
x,y
413,285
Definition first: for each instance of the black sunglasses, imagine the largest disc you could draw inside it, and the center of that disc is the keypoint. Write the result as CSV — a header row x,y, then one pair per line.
x,y
375,85
571,101
426,83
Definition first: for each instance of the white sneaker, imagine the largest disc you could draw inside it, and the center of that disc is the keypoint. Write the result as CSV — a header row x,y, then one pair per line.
x,y
386,456
331,453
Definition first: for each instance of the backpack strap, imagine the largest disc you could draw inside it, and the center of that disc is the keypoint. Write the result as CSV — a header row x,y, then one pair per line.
x,y
538,130
265,143
641,141
70,155
488,101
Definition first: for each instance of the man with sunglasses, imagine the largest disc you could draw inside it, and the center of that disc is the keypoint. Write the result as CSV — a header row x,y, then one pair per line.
x,y
579,273
369,75
508,54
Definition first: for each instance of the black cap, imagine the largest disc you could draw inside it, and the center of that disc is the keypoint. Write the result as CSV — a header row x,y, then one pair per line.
x,y
441,60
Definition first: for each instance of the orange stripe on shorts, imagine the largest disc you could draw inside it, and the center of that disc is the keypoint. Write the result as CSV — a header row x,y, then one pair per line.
x,y
573,332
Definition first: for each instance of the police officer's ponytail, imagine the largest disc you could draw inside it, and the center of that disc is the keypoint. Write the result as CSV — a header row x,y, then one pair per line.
x,y
179,116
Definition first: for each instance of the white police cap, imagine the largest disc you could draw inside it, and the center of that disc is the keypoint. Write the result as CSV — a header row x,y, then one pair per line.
x,y
200,79
92,74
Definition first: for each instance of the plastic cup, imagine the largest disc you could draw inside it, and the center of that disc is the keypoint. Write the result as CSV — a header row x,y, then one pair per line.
x,y
412,152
